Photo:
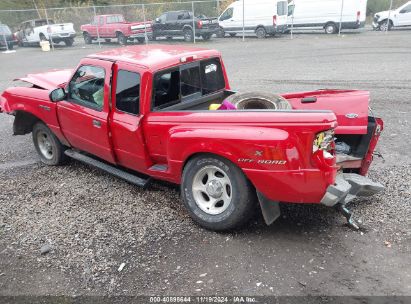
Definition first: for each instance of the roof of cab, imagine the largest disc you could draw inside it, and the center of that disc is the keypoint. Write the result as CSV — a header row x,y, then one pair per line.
x,y
154,56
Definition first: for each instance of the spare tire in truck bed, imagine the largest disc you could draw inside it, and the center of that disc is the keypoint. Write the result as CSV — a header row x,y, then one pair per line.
x,y
258,100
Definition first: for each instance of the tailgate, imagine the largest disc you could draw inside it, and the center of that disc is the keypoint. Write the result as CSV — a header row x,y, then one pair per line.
x,y
350,107
62,27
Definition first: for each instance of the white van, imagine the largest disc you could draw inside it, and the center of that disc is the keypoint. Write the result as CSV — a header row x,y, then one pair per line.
x,y
262,17
326,14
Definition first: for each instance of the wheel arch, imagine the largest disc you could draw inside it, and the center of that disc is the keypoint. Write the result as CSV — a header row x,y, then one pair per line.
x,y
24,122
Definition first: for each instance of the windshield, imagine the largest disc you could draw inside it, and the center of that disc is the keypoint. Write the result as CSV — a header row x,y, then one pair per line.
x,y
4,30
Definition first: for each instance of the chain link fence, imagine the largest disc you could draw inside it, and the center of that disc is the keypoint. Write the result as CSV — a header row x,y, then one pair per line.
x,y
98,26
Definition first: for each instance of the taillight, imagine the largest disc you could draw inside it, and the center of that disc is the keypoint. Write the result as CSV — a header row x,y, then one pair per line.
x,y
199,24
324,141
275,20
358,16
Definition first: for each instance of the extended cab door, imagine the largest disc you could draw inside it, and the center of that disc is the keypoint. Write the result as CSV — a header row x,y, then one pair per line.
x,y
125,118
83,116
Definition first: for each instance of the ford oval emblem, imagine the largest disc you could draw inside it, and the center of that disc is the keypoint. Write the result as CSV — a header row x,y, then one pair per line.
x,y
351,115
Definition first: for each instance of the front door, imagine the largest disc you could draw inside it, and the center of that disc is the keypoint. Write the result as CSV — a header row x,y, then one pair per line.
x,y
83,116
125,118
404,16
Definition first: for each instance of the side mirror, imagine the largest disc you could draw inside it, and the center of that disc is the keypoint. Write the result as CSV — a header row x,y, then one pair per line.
x,y
57,95
157,20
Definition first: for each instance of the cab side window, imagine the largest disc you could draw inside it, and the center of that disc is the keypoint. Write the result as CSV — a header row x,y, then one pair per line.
x,y
128,92
87,86
228,14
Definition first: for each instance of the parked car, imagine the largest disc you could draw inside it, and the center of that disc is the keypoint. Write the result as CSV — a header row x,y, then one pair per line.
x,y
145,109
261,17
317,14
396,18
182,23
34,31
7,38
115,26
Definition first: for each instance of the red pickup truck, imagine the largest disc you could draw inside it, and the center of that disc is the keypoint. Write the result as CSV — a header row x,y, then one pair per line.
x,y
115,26
142,113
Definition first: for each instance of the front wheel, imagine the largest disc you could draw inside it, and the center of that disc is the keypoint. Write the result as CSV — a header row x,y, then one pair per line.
x,y
330,28
87,38
48,146
216,193
206,36
385,26
122,40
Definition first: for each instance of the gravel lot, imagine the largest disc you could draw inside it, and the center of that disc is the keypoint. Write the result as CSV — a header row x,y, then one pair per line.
x,y
90,223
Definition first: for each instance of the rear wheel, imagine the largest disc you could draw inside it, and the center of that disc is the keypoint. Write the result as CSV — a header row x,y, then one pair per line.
x,y
330,28
10,45
188,35
107,40
68,41
121,39
216,193
87,38
220,33
141,40
233,34
261,33
48,146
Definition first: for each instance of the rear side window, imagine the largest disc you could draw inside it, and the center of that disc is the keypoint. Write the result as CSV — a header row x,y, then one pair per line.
x,y
282,8
187,83
128,92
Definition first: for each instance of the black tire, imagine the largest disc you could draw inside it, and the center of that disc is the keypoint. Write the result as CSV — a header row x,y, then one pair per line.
x,y
69,41
141,40
10,45
87,38
258,100
188,35
233,34
108,40
206,36
153,37
261,32
169,37
121,39
42,37
56,155
220,33
385,25
330,28
243,198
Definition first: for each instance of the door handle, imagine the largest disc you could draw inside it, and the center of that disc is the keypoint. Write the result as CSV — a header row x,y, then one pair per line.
x,y
96,123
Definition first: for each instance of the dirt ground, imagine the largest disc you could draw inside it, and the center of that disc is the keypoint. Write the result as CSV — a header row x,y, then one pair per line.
x,y
94,222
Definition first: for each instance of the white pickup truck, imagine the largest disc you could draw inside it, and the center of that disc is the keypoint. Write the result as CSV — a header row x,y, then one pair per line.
x,y
34,31
395,18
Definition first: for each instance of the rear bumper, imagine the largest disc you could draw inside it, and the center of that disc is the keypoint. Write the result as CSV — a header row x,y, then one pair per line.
x,y
206,31
348,186
63,36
